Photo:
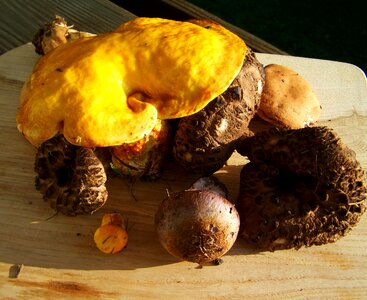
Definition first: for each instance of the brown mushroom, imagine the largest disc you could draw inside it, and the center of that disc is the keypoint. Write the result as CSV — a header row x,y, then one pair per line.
x,y
54,34
302,187
288,100
71,178
197,225
205,141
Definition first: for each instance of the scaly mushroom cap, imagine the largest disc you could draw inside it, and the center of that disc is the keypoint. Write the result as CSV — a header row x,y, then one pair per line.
x,y
72,179
302,187
110,89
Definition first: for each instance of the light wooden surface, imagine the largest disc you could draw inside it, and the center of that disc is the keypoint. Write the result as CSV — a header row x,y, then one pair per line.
x,y
58,256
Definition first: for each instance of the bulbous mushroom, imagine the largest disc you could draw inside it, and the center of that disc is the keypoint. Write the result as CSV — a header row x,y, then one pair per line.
x,y
302,187
72,179
206,140
197,225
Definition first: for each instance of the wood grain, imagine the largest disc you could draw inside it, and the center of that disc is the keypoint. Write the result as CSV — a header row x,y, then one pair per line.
x,y
21,19
58,256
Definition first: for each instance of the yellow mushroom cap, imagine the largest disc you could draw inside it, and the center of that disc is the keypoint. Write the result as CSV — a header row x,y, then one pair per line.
x,y
110,89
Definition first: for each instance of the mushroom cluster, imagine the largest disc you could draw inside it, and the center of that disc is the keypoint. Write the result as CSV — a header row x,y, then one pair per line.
x,y
131,103
153,86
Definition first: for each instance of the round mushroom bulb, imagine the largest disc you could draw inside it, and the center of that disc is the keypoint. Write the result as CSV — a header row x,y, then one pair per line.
x,y
197,225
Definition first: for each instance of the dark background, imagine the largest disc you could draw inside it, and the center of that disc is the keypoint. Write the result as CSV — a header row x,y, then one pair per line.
x,y
326,29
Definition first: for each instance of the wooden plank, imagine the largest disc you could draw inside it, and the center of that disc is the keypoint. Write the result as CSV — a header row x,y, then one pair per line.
x,y
58,256
21,19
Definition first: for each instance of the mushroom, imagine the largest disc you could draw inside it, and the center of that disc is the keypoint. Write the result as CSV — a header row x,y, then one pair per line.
x,y
206,140
301,187
111,237
288,100
71,178
110,89
197,225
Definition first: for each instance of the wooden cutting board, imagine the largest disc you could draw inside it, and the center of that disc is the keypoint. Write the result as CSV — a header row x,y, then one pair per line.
x,y
45,256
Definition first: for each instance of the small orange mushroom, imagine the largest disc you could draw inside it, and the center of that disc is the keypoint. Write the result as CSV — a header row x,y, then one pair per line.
x,y
111,237
111,89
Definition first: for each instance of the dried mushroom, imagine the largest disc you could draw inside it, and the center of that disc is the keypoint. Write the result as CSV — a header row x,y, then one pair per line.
x,y
72,179
54,34
205,141
302,187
